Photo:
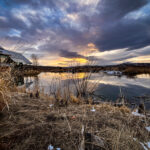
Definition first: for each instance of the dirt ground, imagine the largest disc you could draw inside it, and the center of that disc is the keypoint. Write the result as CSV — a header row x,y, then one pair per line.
x,y
34,124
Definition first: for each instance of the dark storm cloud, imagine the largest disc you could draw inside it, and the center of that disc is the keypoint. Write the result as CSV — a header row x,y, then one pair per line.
x,y
12,22
106,24
33,3
114,31
130,34
15,3
116,9
118,32
67,54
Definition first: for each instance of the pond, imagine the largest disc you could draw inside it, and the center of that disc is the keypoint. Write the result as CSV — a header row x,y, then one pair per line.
x,y
108,87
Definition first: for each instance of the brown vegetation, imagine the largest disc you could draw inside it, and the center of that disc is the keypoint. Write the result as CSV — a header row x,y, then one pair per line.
x,y
36,120
30,72
33,124
125,68
6,86
136,70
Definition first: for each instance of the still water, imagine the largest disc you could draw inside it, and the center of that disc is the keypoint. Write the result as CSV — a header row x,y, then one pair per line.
x,y
107,87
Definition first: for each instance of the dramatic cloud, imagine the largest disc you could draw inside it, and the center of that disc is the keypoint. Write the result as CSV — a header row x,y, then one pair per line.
x,y
125,34
53,29
67,54
116,9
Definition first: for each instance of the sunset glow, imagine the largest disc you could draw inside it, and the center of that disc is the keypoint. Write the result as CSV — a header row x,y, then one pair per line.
x,y
62,32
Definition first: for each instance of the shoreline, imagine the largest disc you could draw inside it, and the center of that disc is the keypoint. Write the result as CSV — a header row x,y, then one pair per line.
x,y
129,70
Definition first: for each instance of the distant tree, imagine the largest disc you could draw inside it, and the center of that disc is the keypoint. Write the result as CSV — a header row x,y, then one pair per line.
x,y
34,58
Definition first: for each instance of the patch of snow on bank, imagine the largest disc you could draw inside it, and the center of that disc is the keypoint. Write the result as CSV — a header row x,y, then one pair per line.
x,y
93,109
134,139
135,113
143,146
148,129
148,144
51,105
50,147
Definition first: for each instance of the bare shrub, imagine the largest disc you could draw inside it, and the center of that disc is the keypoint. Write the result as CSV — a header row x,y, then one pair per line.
x,y
72,87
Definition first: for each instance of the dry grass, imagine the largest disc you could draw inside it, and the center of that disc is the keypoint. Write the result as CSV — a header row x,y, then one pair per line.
x,y
6,86
76,89
28,72
137,70
31,124
82,87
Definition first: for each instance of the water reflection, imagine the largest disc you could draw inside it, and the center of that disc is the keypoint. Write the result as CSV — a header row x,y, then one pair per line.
x,y
143,76
139,80
108,86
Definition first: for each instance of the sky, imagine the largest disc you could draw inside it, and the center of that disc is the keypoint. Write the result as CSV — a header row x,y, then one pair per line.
x,y
61,32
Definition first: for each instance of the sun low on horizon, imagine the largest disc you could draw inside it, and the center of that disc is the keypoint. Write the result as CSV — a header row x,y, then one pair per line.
x,y
62,32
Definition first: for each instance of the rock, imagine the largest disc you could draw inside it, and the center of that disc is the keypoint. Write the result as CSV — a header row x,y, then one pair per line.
x,y
93,142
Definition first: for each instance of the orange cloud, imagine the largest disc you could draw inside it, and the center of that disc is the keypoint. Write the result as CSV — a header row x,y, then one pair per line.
x,y
89,49
64,62
91,45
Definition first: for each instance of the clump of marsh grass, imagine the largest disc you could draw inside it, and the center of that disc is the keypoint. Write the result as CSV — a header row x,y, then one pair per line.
x,y
71,88
82,86
6,86
61,91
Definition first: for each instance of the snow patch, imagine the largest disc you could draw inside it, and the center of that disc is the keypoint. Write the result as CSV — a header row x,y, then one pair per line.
x,y
143,144
148,144
93,109
50,147
148,129
135,113
51,105
134,139
145,148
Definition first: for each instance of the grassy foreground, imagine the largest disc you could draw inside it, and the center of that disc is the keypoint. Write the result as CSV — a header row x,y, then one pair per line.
x,y
34,124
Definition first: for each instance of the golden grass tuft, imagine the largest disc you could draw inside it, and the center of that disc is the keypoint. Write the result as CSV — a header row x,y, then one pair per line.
x,y
124,109
74,99
6,86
